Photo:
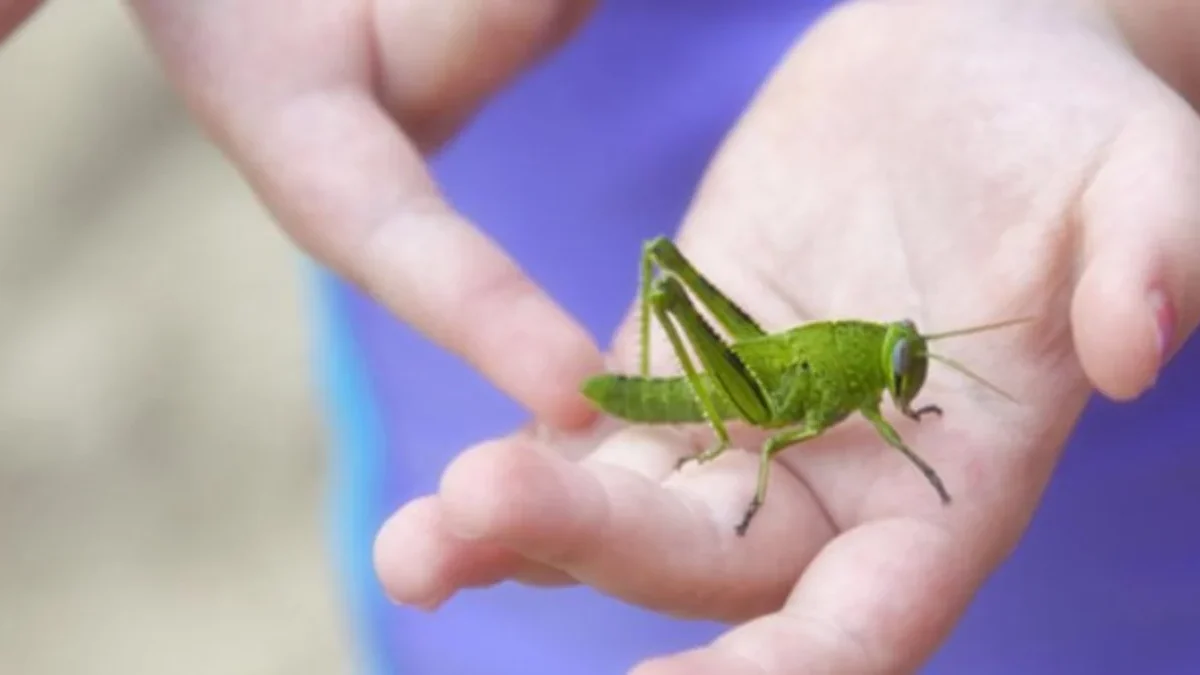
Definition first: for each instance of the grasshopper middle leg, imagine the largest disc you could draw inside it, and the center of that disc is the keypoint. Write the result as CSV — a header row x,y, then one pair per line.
x,y
771,447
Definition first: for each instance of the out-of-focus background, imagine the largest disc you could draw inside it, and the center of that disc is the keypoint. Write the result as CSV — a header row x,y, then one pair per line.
x,y
162,463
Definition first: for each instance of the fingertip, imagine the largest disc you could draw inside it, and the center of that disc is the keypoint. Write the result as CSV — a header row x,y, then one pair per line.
x,y
499,320
1139,295
483,308
421,564
1122,324
406,555
565,356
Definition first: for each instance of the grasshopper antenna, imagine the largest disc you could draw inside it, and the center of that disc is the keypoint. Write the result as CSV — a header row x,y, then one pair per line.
x,y
967,371
978,329
967,331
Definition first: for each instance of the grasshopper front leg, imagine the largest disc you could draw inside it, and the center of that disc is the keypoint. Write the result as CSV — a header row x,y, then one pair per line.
x,y
670,303
892,437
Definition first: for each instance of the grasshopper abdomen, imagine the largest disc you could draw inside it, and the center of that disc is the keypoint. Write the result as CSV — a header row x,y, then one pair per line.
x,y
653,400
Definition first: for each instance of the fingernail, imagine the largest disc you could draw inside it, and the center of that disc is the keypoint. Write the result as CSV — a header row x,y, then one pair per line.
x,y
1164,320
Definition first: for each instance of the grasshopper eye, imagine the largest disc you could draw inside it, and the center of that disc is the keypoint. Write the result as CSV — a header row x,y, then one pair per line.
x,y
901,362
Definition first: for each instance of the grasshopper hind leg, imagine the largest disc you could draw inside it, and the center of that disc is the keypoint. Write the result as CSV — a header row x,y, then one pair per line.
x,y
661,298
675,311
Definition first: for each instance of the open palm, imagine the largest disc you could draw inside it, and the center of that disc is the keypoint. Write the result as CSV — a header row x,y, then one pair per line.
x,y
849,191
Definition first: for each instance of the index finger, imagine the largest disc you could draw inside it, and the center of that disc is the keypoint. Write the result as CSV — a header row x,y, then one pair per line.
x,y
297,112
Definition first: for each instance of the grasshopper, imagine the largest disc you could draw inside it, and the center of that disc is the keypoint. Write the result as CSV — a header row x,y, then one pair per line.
x,y
800,381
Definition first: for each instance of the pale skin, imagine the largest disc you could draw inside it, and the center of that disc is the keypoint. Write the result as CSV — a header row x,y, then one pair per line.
x,y
951,162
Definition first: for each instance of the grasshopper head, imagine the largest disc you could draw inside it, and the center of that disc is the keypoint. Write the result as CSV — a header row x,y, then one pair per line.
x,y
906,358
905,362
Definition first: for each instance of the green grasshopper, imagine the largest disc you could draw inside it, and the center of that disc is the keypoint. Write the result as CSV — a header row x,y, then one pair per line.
x,y
801,381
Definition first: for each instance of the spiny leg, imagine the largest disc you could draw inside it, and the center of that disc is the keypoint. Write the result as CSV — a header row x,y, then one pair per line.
x,y
727,313
659,300
645,276
889,434
771,447
663,252
725,370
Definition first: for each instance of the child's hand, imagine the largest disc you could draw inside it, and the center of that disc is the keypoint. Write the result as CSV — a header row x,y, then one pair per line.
x,y
956,163
327,108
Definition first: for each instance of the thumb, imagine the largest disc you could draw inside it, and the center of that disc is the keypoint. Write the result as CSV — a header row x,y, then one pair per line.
x,y
1138,297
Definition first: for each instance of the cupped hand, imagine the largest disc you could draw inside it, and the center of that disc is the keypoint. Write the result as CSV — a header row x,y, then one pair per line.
x,y
953,163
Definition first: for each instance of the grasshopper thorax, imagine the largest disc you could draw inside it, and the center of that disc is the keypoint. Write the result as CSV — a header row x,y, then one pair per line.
x,y
905,362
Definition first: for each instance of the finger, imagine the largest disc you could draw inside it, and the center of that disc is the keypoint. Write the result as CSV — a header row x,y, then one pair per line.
x,y
295,111
420,563
13,13
469,48
433,62
1138,297
669,547
359,200
878,599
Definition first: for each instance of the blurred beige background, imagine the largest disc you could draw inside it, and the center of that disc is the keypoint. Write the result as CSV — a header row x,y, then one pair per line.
x,y
161,462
